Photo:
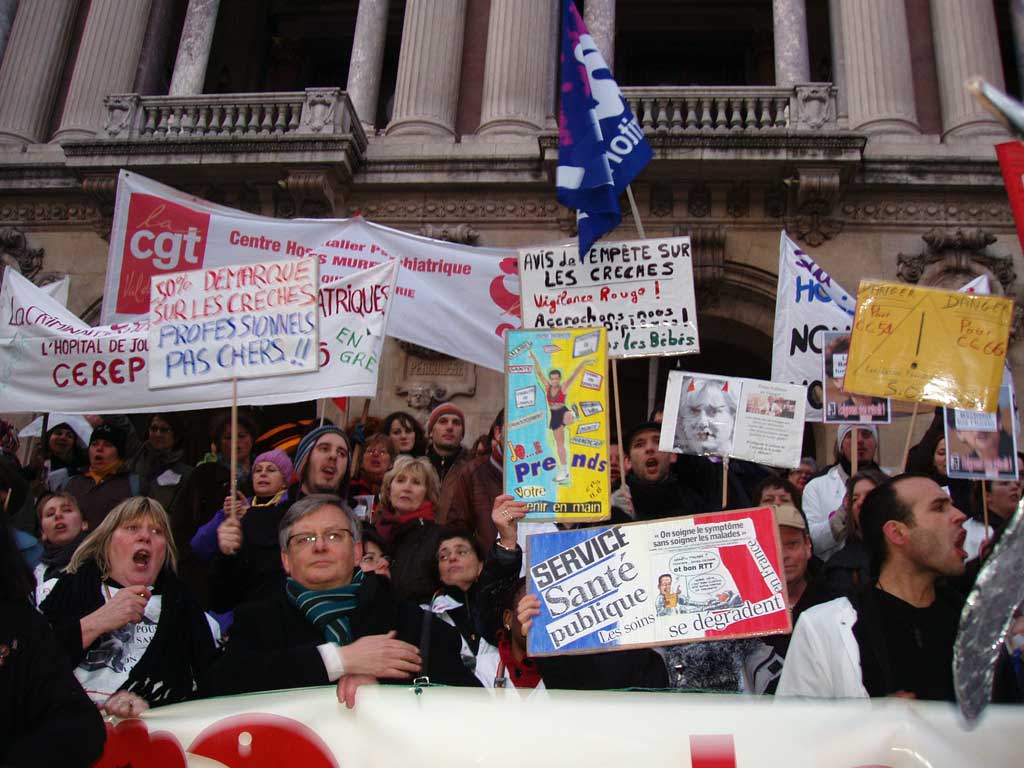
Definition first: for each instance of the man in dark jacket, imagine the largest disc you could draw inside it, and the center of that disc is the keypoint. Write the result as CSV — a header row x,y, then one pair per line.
x,y
331,622
651,490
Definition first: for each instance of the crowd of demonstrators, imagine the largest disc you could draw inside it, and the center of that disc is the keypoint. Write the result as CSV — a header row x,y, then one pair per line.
x,y
468,494
651,491
62,528
405,520
824,495
159,463
134,633
333,622
849,569
895,638
403,559
48,719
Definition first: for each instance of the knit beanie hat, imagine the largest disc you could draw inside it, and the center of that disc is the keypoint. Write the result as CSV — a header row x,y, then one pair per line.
x,y
440,411
116,437
311,439
280,459
845,430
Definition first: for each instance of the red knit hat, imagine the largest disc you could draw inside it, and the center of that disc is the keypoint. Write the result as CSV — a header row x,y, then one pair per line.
x,y
440,411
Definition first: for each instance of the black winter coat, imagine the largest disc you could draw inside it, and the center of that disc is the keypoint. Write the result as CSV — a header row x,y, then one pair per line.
x,y
274,647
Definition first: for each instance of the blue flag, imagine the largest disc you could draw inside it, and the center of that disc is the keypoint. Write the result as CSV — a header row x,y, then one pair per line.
x,y
601,147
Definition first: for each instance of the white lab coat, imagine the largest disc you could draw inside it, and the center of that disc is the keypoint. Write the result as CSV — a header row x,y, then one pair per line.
x,y
821,497
823,660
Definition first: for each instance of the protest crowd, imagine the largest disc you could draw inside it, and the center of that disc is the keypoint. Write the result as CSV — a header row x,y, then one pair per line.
x,y
385,551
171,555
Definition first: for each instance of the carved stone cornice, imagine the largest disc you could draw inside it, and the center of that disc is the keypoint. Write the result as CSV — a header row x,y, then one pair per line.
x,y
311,194
541,207
817,191
15,251
954,256
464,234
925,211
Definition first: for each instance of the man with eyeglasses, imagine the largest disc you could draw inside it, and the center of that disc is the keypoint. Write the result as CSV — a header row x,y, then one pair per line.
x,y
332,622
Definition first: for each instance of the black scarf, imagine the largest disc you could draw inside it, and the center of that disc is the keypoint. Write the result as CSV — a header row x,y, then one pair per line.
x,y
56,558
174,666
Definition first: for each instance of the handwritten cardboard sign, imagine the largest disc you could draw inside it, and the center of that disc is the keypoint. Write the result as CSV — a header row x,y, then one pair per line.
x,y
641,291
759,421
704,577
238,322
923,344
556,423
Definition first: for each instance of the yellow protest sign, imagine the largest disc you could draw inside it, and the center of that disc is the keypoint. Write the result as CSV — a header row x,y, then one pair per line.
x,y
923,344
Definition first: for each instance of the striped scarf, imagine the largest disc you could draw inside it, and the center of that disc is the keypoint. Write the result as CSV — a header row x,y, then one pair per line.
x,y
328,609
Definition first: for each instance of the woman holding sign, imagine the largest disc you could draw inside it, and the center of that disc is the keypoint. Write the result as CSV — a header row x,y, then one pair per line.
x,y
555,391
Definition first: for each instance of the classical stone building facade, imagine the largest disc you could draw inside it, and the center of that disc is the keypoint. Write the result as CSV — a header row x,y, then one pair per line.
x,y
843,121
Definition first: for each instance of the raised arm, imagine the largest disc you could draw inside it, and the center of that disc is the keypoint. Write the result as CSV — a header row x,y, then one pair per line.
x,y
537,369
572,377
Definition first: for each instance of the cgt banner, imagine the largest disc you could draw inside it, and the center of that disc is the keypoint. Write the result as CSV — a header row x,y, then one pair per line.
x,y
686,730
703,577
52,361
158,230
641,291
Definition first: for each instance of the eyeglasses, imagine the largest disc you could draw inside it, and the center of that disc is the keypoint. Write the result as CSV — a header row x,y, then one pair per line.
x,y
450,554
309,540
377,452
372,558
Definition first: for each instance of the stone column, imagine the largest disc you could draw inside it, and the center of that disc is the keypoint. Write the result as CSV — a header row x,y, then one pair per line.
x,y
517,68
8,8
835,24
107,59
966,45
194,48
32,66
429,67
367,60
599,16
792,58
877,57
151,76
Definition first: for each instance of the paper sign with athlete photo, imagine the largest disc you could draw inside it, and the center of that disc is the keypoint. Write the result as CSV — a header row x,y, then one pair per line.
x,y
704,577
840,406
982,446
556,423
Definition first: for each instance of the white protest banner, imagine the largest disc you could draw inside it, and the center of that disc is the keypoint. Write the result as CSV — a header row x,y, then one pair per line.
x,y
59,290
52,361
452,298
310,728
610,588
750,419
808,302
239,322
641,291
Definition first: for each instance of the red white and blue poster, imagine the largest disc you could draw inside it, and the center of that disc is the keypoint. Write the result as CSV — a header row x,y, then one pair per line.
x,y
703,577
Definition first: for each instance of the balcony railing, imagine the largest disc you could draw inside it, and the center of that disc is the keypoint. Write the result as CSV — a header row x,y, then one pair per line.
x,y
314,112
675,110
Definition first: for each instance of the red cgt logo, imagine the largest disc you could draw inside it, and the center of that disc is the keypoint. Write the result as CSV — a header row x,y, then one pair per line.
x,y
161,237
